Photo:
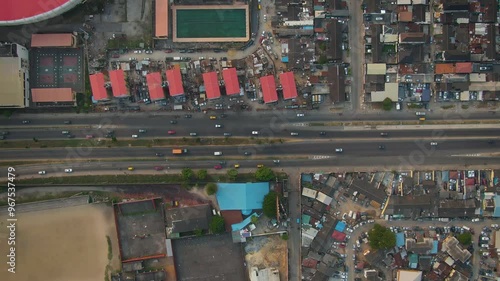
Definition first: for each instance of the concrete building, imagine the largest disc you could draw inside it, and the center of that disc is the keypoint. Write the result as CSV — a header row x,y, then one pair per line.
x,y
14,76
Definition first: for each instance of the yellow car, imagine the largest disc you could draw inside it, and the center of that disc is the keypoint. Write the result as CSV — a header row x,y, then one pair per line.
x,y
130,168
213,117
236,166
260,166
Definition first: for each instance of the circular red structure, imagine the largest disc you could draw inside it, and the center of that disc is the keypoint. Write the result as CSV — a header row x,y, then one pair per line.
x,y
17,12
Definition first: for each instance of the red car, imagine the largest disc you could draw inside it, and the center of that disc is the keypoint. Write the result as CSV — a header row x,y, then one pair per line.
x,y
217,167
158,168
171,132
168,51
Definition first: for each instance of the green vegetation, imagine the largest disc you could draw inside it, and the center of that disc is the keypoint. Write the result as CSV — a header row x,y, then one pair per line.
x,y
110,248
187,174
381,237
284,236
465,238
198,232
264,174
217,225
232,174
415,105
254,219
389,48
465,106
322,59
269,205
387,104
201,174
211,188
449,106
322,46
34,197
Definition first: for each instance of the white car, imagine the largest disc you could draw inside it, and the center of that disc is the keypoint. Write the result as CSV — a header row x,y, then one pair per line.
x,y
41,172
434,143
135,136
68,170
300,114
218,153
193,134
350,230
339,150
494,225
475,220
218,126
255,132
294,134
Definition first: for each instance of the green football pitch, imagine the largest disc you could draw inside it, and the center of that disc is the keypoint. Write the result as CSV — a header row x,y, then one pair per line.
x,y
207,23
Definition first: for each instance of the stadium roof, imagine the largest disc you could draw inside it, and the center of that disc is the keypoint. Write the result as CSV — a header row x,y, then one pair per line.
x,y
289,87
241,196
52,95
211,85
12,91
175,82
231,81
52,40
117,78
97,84
161,17
155,86
268,86
17,12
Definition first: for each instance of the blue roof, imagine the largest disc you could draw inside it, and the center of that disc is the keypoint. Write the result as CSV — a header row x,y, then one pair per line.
x,y
400,239
284,59
445,176
305,177
243,224
340,227
241,196
496,213
413,261
434,249
426,95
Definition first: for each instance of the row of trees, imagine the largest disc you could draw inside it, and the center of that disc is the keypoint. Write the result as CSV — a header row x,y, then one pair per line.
x,y
262,174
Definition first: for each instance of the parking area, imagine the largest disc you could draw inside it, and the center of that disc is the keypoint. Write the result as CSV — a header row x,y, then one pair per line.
x,y
207,258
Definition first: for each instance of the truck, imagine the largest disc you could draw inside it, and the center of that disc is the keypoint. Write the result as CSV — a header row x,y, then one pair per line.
x,y
179,151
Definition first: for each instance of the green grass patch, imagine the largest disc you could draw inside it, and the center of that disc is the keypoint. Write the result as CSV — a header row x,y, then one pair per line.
x,y
449,106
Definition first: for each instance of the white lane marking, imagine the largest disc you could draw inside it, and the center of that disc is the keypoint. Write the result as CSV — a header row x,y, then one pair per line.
x,y
318,157
301,124
467,155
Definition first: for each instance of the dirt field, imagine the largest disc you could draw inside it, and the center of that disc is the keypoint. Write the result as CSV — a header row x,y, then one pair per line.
x,y
61,244
268,251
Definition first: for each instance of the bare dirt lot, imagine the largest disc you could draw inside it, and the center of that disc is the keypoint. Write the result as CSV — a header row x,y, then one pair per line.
x,y
61,244
268,251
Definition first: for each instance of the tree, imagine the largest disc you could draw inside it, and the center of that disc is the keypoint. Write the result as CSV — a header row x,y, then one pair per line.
x,y
264,174
202,174
232,174
217,225
187,174
381,237
284,236
387,104
465,238
322,59
269,205
254,219
211,188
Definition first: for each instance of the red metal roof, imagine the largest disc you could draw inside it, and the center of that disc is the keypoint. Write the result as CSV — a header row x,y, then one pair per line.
x,y
289,87
52,40
268,86
154,86
117,78
338,236
98,86
231,81
211,85
463,67
52,95
20,9
161,16
175,82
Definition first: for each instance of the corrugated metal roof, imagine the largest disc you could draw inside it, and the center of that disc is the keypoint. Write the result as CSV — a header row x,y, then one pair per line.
x,y
117,78
211,85
231,81
97,84
154,86
52,40
289,87
52,95
175,82
161,17
268,85
376,69
444,68
241,196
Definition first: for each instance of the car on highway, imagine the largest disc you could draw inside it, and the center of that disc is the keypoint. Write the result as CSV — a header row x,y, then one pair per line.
x,y
218,167
67,122
491,142
300,114
130,168
171,132
384,134
322,133
70,136
173,121
236,166
276,161
158,168
142,131
158,154
2,137
41,172
260,166
69,170
218,126
227,134
434,143
89,137
255,132
4,133
247,153
193,134
135,136
188,116
339,150
218,153
294,134
26,121
213,117
223,115
381,147
65,132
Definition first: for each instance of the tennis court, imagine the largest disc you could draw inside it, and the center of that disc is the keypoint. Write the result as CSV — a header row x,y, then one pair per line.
x,y
221,23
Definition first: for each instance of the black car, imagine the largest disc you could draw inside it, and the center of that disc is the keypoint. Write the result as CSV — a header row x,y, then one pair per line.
x,y
67,122
381,147
173,121
188,116
70,136
26,121
247,153
158,154
223,115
